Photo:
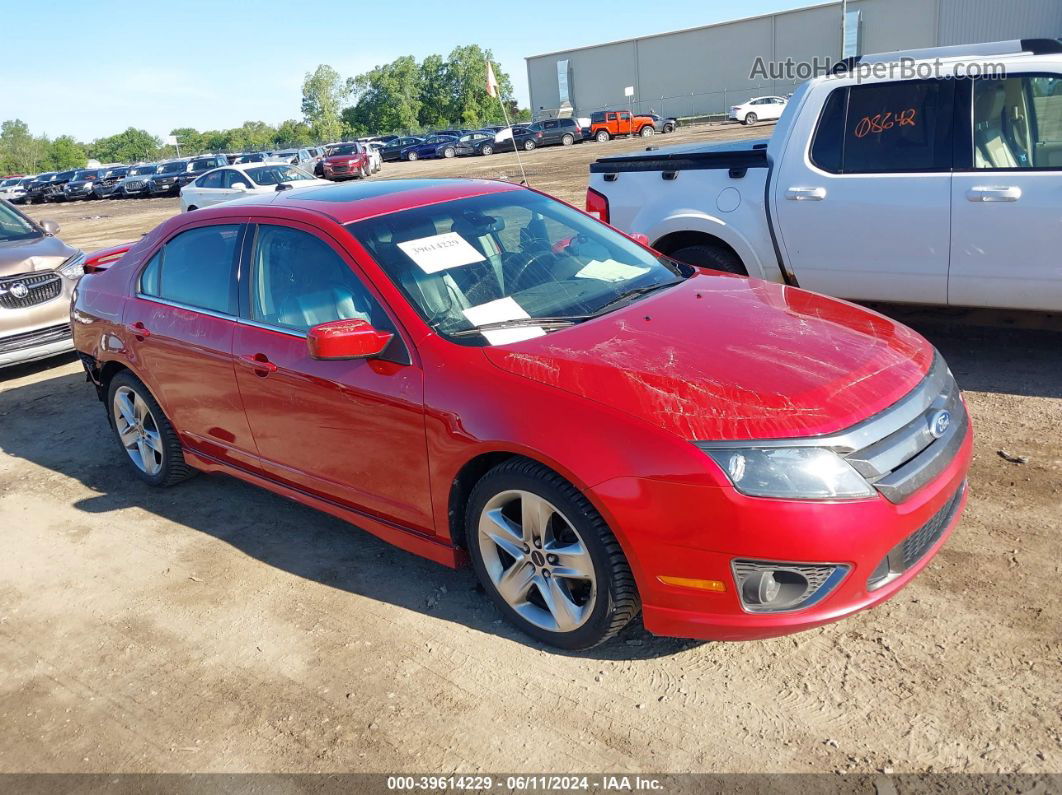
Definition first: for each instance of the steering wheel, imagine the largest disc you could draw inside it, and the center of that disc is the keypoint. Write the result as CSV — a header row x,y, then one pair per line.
x,y
515,283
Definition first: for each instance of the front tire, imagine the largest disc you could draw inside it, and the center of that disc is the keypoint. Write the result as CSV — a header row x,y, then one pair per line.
x,y
529,145
191,207
411,156
647,131
602,136
486,150
567,139
144,433
546,557
449,152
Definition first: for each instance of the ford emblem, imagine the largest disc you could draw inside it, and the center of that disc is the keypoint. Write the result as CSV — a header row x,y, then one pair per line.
x,y
19,290
939,423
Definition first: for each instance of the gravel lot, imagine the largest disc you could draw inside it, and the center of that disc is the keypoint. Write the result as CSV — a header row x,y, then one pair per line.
x,y
217,627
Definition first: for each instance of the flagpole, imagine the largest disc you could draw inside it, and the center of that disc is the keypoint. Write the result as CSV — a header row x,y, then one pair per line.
x,y
491,80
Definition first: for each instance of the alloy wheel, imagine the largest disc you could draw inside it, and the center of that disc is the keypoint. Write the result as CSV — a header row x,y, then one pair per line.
x,y
138,431
537,561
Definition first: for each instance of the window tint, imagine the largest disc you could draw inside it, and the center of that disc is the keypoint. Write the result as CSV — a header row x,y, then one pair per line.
x,y
887,127
299,281
211,180
196,268
1018,122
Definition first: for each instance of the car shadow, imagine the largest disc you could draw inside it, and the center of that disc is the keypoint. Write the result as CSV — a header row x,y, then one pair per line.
x,y
56,422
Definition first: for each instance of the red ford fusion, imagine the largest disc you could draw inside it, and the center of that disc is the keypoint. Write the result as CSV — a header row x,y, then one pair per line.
x,y
474,371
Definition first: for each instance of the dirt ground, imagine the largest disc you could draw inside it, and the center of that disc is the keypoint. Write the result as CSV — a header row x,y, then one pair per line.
x,y
216,627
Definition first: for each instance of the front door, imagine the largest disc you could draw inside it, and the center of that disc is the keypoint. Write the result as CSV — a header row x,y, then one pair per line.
x,y
1006,209
180,328
865,211
351,431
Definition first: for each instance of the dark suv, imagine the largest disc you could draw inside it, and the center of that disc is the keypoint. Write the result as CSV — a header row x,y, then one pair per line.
x,y
38,188
174,175
106,184
80,184
550,132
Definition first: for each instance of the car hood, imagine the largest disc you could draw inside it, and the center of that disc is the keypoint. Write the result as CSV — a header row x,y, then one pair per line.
x,y
728,358
26,256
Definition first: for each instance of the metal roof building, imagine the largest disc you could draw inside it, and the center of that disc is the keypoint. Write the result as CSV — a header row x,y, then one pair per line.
x,y
704,70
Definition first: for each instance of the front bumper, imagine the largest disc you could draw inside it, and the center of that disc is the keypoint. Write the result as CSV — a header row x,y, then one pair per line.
x,y
40,343
696,531
79,192
164,188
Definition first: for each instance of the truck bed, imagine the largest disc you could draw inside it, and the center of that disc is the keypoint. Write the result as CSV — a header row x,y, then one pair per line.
x,y
731,155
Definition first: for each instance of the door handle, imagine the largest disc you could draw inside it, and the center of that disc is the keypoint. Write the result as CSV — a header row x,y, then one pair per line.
x,y
257,361
994,193
138,330
805,194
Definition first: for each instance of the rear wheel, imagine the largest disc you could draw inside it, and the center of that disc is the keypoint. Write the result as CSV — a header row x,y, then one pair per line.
x,y
529,145
411,156
646,131
669,127
567,139
192,207
546,557
751,118
602,136
449,152
149,440
711,255
486,150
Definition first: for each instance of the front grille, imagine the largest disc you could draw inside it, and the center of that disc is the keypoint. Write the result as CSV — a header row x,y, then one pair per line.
x,y
913,548
31,339
338,169
38,289
134,185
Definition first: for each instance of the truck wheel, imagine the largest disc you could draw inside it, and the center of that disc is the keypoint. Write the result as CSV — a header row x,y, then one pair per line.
x,y
646,131
751,118
568,139
546,557
602,136
711,255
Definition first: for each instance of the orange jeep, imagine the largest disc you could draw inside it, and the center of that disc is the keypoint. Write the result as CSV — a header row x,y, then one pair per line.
x,y
607,124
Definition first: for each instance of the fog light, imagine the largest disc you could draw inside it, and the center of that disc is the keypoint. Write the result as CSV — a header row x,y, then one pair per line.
x,y
769,587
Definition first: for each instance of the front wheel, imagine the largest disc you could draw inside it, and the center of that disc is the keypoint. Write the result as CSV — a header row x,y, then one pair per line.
x,y
149,440
646,131
486,150
567,139
529,145
669,128
546,557
191,207
411,156
449,152
602,136
751,118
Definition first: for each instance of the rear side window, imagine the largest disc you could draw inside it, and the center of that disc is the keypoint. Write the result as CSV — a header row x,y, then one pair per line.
x,y
1017,122
886,128
195,268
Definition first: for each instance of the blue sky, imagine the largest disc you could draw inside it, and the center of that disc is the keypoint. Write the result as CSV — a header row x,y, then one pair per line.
x,y
91,69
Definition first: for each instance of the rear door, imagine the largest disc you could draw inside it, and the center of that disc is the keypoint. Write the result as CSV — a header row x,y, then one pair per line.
x,y
863,196
1007,201
180,327
350,431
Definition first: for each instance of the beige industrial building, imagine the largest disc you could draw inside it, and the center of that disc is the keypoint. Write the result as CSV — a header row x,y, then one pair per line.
x,y
704,70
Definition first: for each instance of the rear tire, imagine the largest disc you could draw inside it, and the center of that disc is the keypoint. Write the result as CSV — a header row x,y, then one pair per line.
x,y
711,255
149,441
411,156
486,150
751,118
568,584
449,152
529,145
602,136
567,139
191,207
647,131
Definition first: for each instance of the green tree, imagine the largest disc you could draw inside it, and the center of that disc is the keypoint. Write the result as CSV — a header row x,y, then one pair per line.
x,y
466,73
293,133
251,137
323,93
64,152
190,141
126,147
387,99
20,152
436,102
217,140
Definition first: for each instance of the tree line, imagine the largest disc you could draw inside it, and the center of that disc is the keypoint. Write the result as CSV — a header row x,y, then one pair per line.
x,y
403,96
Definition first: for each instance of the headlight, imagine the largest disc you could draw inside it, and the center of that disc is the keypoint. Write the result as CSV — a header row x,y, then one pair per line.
x,y
74,267
803,473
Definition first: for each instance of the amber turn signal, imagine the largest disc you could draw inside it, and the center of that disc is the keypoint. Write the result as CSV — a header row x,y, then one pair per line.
x,y
687,582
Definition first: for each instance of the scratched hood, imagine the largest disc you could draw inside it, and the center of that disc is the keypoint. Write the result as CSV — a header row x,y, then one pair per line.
x,y
720,357
38,254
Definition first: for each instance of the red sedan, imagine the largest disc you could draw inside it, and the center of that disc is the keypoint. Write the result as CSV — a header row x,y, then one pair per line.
x,y
473,370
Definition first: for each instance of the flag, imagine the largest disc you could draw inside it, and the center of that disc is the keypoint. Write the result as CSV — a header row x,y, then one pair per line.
x,y
492,83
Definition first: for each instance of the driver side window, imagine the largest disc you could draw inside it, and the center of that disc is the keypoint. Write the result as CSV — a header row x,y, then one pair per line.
x,y
298,281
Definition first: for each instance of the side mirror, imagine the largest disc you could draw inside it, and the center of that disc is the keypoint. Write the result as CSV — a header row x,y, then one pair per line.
x,y
51,227
638,237
346,339
239,186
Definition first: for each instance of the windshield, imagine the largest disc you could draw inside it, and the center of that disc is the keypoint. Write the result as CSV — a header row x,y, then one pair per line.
x,y
274,175
348,149
14,227
7,182
508,257
137,171
202,165
172,168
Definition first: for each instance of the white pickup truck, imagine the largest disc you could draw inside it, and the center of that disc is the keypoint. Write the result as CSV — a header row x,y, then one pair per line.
x,y
928,186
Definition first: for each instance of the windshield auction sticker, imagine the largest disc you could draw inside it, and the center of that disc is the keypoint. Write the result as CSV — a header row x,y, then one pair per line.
x,y
440,252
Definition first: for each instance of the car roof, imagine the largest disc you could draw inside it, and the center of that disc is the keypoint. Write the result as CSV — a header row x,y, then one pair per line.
x,y
356,200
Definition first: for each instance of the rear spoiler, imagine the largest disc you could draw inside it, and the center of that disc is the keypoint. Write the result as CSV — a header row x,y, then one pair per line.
x,y
101,260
